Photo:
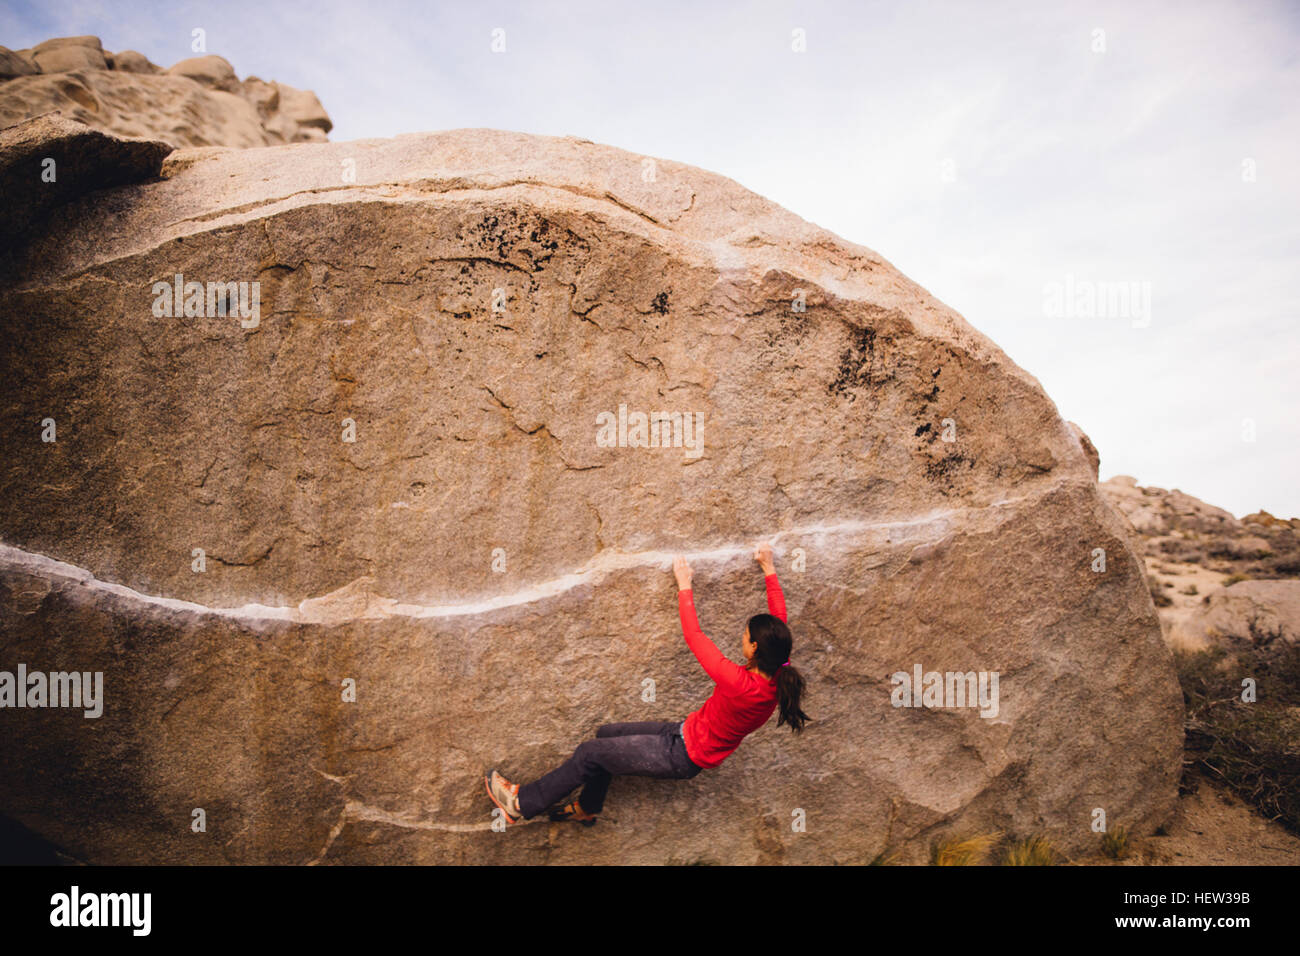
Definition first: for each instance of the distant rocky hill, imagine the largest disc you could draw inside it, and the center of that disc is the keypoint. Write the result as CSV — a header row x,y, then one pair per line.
x,y
1213,576
196,102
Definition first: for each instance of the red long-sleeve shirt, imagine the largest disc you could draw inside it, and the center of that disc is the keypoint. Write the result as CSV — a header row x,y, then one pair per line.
x,y
741,702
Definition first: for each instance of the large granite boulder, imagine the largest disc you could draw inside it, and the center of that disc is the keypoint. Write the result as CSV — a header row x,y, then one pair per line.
x,y
1258,612
414,471
64,54
132,61
211,71
16,63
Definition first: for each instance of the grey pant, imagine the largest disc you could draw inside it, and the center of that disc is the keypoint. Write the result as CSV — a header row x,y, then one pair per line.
x,y
648,748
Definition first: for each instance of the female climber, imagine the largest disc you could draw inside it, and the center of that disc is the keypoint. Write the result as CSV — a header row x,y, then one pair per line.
x,y
742,701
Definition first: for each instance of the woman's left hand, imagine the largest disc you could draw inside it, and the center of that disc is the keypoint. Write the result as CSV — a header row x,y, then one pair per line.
x,y
682,571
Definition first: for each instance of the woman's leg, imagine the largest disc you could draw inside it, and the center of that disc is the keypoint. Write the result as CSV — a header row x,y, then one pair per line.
x,y
636,728
594,763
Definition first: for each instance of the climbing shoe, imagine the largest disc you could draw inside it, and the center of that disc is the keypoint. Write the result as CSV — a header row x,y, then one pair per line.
x,y
505,795
573,812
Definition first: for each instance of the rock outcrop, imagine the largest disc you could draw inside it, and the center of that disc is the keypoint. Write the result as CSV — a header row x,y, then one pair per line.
x,y
1157,513
1212,577
1259,611
414,468
197,102
48,161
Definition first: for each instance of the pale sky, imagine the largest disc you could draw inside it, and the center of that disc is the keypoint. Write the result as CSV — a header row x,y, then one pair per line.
x,y
988,150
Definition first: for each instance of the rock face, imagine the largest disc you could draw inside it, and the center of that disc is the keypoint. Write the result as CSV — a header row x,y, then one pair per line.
x,y
396,468
197,102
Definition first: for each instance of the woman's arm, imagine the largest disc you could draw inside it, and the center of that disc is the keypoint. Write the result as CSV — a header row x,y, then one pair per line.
x,y
775,598
724,673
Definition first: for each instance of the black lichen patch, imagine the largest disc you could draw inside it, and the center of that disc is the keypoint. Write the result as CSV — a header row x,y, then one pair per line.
x,y
660,303
489,233
518,239
540,237
949,467
856,364
788,330
923,402
501,235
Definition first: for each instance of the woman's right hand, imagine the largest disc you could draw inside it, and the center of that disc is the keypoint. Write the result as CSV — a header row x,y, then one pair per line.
x,y
763,555
682,572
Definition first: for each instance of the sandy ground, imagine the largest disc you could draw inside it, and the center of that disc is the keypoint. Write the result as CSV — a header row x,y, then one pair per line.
x,y
1184,578
1212,828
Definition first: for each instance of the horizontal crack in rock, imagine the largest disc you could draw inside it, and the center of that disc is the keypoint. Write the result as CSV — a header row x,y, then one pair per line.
x,y
354,602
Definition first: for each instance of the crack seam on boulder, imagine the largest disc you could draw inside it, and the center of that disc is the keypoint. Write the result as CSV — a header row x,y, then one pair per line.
x,y
350,603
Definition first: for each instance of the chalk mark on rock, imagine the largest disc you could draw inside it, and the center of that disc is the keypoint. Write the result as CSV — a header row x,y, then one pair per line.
x,y
355,602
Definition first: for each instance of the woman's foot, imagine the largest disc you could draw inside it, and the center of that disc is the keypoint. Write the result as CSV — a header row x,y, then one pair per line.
x,y
505,795
574,812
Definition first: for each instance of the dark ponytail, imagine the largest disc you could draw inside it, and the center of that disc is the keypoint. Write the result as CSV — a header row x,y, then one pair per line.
x,y
772,657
